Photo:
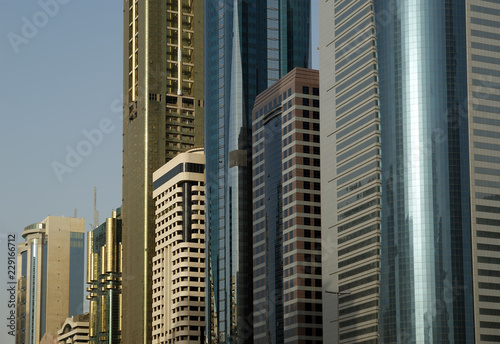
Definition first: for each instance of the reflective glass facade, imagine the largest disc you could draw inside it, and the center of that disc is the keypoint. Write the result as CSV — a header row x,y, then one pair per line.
x,y
76,273
104,280
426,278
238,65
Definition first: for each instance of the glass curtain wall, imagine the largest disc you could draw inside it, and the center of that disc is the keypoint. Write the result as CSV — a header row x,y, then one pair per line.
x,y
241,61
426,289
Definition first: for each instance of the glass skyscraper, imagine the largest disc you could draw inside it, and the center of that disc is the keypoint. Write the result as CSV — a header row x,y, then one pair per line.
x,y
104,276
411,95
248,46
426,241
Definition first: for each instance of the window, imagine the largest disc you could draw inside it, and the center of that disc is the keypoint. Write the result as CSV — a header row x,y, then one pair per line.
x,y
305,89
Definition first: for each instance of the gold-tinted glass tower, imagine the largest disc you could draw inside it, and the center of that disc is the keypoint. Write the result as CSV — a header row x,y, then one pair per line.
x,y
104,276
163,115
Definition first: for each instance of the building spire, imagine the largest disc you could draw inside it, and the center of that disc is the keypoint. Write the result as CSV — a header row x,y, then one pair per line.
x,y
96,213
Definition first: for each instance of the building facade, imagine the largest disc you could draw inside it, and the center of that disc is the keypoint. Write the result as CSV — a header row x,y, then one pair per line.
x,y
483,106
249,45
351,170
104,280
426,229
436,84
75,330
179,259
50,277
163,115
287,300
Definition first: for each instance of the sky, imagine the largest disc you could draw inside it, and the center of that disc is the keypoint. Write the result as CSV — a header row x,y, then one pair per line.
x,y
61,115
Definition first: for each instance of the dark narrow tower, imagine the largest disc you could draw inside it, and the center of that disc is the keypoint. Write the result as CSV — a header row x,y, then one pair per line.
x,y
163,115
245,45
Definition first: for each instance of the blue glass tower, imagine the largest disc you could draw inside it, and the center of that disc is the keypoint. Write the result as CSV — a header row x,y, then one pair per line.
x,y
426,274
249,44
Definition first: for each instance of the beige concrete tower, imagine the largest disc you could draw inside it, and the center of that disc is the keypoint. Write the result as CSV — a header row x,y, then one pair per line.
x,y
350,170
50,276
75,330
179,257
483,55
163,115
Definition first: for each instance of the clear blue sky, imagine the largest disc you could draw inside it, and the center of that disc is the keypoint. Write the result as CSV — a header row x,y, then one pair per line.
x,y
60,75
65,78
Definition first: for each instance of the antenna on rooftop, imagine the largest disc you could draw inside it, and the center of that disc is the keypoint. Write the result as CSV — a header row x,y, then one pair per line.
x,y
96,213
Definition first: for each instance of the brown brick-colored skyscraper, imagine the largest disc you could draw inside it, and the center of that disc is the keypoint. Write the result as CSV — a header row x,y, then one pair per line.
x,y
286,211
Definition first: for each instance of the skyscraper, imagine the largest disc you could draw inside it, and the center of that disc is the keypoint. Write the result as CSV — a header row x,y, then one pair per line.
x,y
287,302
179,260
483,105
350,170
436,83
163,115
104,279
50,276
249,45
426,229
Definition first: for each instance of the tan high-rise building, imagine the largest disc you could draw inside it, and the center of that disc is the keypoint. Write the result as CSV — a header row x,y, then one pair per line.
x,y
350,171
163,115
179,257
50,276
